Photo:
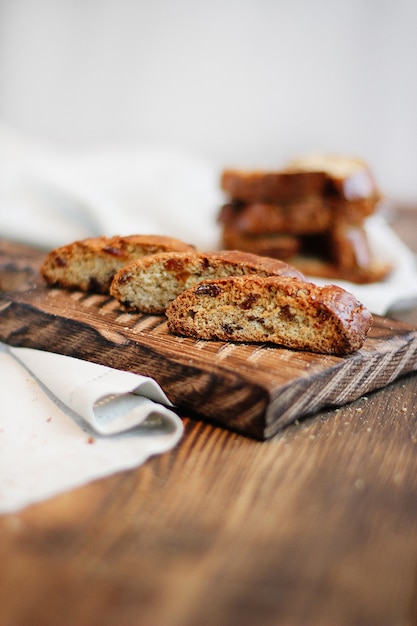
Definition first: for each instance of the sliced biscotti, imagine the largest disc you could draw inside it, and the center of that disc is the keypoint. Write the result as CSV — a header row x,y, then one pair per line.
x,y
342,253
303,217
289,312
90,264
349,178
282,246
299,218
311,214
313,176
272,186
150,284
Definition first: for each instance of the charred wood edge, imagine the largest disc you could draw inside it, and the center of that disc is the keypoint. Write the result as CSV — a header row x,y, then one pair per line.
x,y
360,373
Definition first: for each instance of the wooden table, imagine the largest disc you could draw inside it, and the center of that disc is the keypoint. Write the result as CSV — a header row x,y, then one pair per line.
x,y
316,526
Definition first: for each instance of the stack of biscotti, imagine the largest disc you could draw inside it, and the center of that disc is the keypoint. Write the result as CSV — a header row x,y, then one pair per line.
x,y
311,214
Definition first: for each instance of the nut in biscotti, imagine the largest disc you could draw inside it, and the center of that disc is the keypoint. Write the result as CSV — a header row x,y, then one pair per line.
x,y
285,311
90,264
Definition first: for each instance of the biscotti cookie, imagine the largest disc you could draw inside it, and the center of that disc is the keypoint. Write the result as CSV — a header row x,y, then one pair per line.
x,y
349,247
345,246
301,217
310,214
272,186
288,312
329,255
275,245
150,284
319,268
321,176
90,264
348,178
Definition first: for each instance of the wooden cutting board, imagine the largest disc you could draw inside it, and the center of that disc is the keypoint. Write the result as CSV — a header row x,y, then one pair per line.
x,y
253,389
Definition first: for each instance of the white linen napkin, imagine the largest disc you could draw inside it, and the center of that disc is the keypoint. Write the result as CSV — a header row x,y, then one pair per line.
x,y
65,422
110,400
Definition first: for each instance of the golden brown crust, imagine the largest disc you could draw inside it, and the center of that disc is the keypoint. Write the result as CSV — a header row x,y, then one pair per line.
x,y
276,245
285,311
374,272
345,246
272,186
349,247
301,217
340,254
150,284
90,264
349,178
323,176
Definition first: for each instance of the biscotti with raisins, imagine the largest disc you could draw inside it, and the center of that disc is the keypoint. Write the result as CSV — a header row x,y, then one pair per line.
x,y
281,310
148,285
90,264
326,176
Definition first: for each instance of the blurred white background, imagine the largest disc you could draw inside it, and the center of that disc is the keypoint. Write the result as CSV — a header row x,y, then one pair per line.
x,y
240,82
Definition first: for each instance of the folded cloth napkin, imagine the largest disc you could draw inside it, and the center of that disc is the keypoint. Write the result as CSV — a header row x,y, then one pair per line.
x,y
64,422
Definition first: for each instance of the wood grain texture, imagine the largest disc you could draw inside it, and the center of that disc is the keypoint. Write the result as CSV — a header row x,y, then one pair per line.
x,y
316,526
253,389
